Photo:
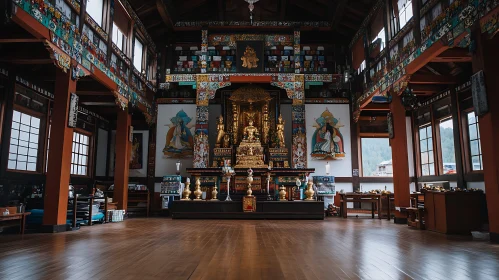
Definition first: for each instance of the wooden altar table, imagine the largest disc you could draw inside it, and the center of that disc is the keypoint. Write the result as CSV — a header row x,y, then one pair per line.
x,y
357,197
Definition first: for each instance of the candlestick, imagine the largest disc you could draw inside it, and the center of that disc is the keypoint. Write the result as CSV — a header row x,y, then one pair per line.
x,y
327,168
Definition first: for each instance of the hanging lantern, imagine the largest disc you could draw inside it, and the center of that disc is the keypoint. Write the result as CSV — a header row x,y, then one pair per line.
x,y
409,99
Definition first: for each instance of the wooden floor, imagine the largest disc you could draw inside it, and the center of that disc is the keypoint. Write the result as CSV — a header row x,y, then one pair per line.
x,y
160,248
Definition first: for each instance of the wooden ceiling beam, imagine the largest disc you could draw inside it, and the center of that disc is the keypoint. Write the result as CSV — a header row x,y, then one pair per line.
x,y
282,12
20,40
453,55
376,107
93,93
147,10
339,11
422,88
221,10
311,7
166,14
188,6
433,79
27,61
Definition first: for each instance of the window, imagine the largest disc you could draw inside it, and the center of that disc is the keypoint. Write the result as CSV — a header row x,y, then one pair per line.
x,y
474,142
94,9
426,151
376,157
405,12
448,162
137,55
23,151
79,156
119,39
381,35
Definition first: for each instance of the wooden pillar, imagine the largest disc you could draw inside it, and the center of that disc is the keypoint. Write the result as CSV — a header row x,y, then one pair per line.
x,y
400,158
59,160
123,150
354,129
485,58
458,154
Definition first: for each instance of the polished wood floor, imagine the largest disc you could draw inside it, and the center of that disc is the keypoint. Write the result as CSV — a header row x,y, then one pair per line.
x,y
160,248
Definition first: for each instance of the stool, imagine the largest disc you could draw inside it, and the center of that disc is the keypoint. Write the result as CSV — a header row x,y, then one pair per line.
x,y
415,217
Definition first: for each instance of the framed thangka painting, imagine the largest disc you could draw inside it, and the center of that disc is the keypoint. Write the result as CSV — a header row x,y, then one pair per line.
x,y
175,130
327,139
250,57
137,151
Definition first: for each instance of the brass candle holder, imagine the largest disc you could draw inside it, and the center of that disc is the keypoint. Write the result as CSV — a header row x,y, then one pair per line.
x,y
249,179
214,193
187,192
310,190
197,191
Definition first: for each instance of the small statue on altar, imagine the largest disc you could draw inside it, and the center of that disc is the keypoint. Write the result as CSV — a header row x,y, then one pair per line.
x,y
251,132
220,131
280,131
226,141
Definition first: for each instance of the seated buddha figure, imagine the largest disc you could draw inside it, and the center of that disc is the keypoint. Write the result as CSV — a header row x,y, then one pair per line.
x,y
251,132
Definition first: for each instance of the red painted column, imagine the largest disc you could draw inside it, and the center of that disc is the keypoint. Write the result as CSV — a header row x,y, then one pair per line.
x,y
400,158
123,150
486,59
59,160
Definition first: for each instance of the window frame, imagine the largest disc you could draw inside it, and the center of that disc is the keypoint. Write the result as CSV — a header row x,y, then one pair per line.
x,y
418,139
144,49
90,154
41,139
468,163
103,19
439,156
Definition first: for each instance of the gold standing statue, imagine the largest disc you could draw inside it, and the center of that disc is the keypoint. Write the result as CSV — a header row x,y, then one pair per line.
x,y
220,131
266,124
235,121
280,131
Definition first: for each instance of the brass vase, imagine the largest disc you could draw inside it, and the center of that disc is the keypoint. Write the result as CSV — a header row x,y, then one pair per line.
x,y
187,191
214,193
310,191
282,193
197,191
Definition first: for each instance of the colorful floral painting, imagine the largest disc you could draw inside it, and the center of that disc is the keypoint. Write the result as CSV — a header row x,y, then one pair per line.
x,y
327,140
179,139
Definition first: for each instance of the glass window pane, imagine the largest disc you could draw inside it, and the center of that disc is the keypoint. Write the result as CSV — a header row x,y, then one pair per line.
x,y
423,146
424,170
428,131
24,136
32,159
24,128
472,131
25,119
12,157
14,134
94,9
33,138
21,165
16,116
15,125
471,117
422,133
474,148
430,157
137,55
430,144
32,152
34,145
13,149
11,164
22,158
23,143
22,151
476,163
31,167
35,122
432,169
447,147
35,131
424,158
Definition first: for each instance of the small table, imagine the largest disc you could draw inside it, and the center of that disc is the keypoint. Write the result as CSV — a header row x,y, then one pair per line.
x,y
18,216
355,197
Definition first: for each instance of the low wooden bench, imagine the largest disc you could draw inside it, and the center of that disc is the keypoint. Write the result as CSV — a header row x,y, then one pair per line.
x,y
18,216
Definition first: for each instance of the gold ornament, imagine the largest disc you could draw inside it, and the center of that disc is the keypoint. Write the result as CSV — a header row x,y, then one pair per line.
x,y
280,131
187,192
220,131
197,191
282,193
249,58
310,191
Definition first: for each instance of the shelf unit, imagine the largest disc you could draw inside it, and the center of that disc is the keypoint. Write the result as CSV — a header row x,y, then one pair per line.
x,y
136,201
316,59
221,59
187,59
279,59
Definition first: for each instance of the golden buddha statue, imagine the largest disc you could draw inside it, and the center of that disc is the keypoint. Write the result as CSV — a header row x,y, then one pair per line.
x,y
220,131
251,132
280,131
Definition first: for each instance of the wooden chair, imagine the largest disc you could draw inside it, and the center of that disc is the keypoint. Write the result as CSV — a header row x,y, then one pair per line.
x,y
415,217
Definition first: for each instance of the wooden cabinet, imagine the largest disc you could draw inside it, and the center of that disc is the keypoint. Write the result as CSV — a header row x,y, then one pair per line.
x,y
138,203
453,212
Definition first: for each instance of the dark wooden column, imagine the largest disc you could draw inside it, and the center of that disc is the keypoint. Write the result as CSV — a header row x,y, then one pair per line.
x,y
485,58
59,160
400,158
8,98
123,150
355,151
458,153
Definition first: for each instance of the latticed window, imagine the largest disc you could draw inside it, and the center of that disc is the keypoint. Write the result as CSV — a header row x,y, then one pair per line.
x,y
426,151
79,155
23,150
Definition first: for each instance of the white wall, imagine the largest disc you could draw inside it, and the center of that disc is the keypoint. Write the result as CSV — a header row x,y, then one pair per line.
x,y
165,165
476,185
145,149
339,168
101,152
